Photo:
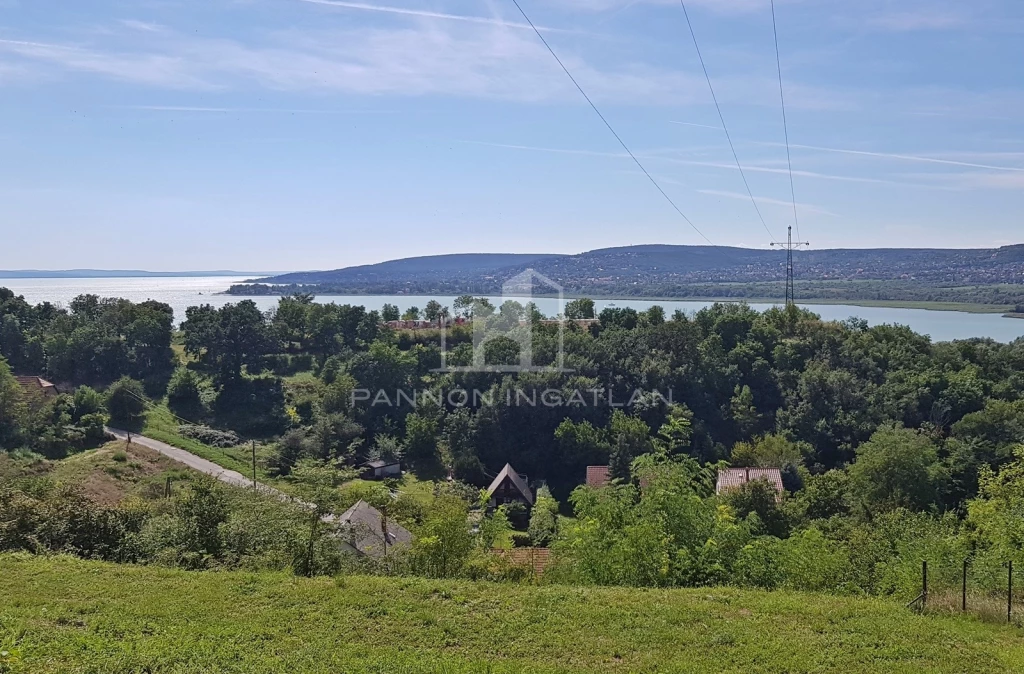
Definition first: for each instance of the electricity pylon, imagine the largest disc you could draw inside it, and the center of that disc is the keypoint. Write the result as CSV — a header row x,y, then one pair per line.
x,y
790,245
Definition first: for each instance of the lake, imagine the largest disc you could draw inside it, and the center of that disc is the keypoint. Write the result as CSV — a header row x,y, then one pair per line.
x,y
183,292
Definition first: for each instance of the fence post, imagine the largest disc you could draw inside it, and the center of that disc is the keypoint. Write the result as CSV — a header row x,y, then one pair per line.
x,y
167,488
924,583
1009,591
254,483
963,596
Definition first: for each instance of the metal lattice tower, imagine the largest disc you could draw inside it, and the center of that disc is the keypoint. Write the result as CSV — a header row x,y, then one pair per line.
x,y
790,245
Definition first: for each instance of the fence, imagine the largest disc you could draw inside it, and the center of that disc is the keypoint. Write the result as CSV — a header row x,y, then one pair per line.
x,y
981,588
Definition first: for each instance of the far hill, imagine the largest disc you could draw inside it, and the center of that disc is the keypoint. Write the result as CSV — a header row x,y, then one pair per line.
x,y
118,273
918,274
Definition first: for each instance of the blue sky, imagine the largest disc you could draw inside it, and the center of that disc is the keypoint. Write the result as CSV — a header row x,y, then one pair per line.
x,y
301,134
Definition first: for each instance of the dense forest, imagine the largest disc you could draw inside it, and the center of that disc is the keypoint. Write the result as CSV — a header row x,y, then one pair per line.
x,y
892,448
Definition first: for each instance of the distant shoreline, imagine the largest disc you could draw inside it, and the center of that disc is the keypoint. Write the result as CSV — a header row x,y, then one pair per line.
x,y
963,307
123,273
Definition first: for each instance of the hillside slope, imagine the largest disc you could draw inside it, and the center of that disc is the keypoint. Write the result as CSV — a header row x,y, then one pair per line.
x,y
67,615
688,271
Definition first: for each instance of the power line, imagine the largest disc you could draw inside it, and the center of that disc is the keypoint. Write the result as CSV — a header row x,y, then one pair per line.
x,y
722,118
607,124
785,124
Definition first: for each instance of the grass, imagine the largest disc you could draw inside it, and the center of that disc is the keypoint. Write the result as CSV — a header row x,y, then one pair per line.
x,y
105,475
160,424
67,615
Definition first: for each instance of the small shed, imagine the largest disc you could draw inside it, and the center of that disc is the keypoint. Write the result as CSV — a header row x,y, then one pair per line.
x,y
365,530
379,469
734,478
509,487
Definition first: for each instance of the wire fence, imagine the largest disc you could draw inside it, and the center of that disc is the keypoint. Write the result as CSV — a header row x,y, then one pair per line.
x,y
985,588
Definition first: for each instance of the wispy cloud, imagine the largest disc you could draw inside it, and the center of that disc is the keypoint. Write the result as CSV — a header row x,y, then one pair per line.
x,y
427,14
725,166
702,126
204,109
144,26
901,157
925,19
807,208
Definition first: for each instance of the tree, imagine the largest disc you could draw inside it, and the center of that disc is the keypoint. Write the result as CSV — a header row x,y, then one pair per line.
x,y
758,497
544,519
185,393
421,433
229,338
767,451
896,468
126,401
744,412
630,439
582,308
316,484
390,312
13,411
433,311
411,314
444,543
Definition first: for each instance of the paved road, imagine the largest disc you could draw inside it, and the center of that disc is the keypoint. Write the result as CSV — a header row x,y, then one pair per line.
x,y
197,462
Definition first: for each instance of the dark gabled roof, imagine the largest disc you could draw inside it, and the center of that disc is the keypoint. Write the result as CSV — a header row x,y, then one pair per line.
x,y
380,463
519,483
364,527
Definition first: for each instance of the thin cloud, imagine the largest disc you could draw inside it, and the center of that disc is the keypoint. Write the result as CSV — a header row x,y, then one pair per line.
x,y
201,109
428,14
718,165
903,157
807,208
702,126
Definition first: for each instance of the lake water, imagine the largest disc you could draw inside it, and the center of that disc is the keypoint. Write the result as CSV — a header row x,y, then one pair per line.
x,y
181,293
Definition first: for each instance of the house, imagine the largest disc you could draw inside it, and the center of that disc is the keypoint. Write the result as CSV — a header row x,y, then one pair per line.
x,y
365,531
38,386
734,478
379,469
598,476
509,487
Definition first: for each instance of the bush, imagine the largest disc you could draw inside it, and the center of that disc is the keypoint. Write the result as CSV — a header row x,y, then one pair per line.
x,y
210,436
185,393
86,402
126,401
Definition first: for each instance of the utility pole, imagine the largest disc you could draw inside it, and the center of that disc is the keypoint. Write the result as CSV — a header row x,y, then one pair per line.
x,y
790,245
255,488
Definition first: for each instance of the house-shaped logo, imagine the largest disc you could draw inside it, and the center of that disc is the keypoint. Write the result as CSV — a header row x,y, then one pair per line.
x,y
503,335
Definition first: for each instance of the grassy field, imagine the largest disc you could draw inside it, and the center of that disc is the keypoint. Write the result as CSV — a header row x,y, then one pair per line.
x,y
105,475
66,615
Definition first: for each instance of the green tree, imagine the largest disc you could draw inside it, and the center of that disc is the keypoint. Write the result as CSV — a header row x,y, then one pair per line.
x,y
443,543
544,519
579,308
390,312
126,401
316,484
896,468
13,410
432,312
411,314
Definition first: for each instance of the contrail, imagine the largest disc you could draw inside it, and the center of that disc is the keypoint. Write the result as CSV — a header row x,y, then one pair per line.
x,y
428,14
904,157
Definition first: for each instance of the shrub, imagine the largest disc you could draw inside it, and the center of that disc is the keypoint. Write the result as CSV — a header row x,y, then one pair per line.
x,y
210,436
126,400
185,393
86,402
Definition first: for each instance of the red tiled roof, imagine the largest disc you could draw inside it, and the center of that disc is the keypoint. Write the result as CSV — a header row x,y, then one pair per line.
x,y
733,478
598,476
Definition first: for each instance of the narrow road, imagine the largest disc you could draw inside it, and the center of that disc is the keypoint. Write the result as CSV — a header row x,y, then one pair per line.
x,y
198,463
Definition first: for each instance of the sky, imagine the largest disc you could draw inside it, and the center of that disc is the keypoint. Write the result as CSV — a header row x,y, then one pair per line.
x,y
318,134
